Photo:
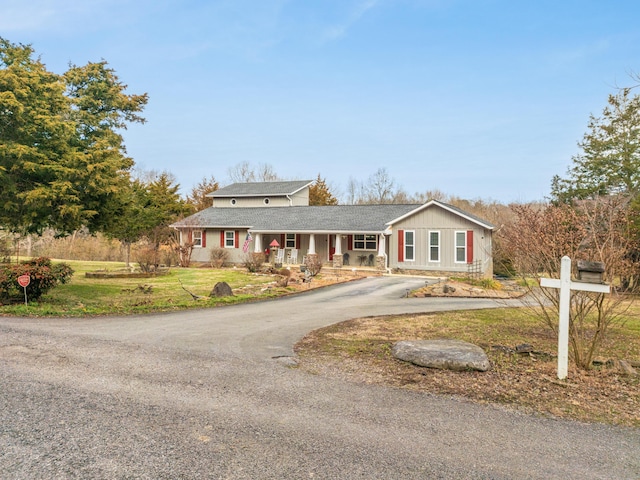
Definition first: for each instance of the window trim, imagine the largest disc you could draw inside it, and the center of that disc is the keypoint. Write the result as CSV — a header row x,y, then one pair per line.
x,y
290,242
233,239
366,242
266,201
233,201
463,247
437,245
197,242
411,245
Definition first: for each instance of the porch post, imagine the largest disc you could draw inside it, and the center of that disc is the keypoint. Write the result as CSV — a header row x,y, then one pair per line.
x,y
381,263
257,245
312,244
382,245
337,254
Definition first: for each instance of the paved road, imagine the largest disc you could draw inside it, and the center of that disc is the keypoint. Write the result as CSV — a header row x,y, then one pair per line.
x,y
200,394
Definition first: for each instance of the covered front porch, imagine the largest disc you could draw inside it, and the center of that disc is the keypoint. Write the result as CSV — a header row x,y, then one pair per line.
x,y
334,249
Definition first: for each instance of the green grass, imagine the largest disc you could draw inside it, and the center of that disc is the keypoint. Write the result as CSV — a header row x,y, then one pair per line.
x,y
104,296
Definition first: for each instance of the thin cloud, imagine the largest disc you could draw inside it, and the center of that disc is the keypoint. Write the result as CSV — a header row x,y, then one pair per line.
x,y
340,30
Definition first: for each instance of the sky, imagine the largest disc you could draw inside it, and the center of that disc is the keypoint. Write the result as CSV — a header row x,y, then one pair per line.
x,y
479,99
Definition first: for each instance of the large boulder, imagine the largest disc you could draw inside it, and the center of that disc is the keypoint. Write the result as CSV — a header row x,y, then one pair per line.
x,y
444,354
221,289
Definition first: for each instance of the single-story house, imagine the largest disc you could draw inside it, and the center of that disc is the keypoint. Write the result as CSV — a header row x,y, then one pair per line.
x,y
274,218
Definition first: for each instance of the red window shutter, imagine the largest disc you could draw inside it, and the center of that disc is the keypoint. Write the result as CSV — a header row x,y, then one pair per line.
x,y
190,237
469,246
236,240
221,238
297,240
204,238
282,240
401,245
350,242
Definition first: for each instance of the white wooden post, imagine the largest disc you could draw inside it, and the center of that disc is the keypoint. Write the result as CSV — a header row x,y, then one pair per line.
x,y
381,245
338,244
312,244
257,245
566,285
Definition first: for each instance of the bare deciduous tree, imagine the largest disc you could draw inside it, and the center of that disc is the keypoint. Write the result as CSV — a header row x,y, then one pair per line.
x,y
596,230
244,172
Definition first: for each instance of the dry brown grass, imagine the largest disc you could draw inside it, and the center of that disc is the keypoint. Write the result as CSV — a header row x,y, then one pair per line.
x,y
359,350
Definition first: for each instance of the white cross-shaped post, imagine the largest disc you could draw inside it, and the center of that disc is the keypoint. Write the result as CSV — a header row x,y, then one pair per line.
x,y
566,285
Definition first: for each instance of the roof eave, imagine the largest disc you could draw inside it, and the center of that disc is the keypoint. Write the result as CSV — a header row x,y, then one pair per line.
x,y
445,207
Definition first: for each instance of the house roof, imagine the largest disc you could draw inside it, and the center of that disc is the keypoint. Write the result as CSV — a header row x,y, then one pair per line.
x,y
316,219
253,189
312,219
458,211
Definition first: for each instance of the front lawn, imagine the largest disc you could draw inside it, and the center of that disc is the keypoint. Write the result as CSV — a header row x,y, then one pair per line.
x,y
103,296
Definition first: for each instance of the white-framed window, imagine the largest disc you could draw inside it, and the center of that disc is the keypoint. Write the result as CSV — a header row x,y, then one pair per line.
x,y
461,247
434,246
229,239
233,201
196,238
266,201
290,240
409,245
365,241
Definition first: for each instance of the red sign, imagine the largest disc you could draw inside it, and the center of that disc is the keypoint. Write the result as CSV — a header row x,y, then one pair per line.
x,y
24,280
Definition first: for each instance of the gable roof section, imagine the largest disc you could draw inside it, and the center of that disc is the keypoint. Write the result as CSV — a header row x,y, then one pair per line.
x,y
455,210
254,189
315,219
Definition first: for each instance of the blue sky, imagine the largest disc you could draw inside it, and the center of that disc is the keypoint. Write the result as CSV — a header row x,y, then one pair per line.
x,y
477,98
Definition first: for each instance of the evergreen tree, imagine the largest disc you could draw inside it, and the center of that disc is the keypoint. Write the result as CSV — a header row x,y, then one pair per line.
x,y
319,193
610,159
198,199
62,162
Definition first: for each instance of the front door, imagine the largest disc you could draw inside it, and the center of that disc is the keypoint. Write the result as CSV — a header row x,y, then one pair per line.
x,y
332,246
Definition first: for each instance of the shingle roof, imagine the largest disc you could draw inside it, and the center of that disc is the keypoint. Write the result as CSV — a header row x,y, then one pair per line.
x,y
251,189
338,218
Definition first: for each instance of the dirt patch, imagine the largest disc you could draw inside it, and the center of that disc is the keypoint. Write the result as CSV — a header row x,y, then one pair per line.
x,y
360,350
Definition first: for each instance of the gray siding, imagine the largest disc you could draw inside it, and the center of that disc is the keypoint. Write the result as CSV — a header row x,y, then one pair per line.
x,y
300,198
435,219
252,202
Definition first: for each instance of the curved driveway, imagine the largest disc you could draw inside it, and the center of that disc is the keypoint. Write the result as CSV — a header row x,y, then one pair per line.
x,y
200,394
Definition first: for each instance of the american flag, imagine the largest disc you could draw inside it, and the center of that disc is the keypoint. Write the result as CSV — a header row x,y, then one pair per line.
x,y
245,247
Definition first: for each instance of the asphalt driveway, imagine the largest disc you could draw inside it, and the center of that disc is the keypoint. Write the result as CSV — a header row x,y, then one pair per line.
x,y
205,394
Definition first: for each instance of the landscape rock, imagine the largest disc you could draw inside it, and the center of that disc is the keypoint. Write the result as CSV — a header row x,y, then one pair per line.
x,y
524,348
221,289
443,354
627,368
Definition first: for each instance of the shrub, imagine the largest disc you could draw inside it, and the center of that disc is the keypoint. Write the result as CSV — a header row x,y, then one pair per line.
x,y
253,261
148,259
313,264
43,277
218,257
